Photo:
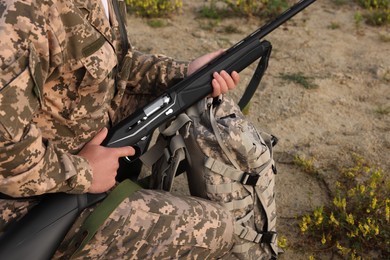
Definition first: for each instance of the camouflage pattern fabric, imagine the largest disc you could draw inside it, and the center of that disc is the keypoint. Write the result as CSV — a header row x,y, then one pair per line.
x,y
59,62
232,146
228,162
158,225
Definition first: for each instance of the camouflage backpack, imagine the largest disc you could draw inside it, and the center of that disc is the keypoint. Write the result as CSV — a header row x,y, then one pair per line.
x,y
226,160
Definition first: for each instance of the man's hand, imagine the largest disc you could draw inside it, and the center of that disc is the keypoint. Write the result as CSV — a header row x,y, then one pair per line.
x,y
222,82
104,162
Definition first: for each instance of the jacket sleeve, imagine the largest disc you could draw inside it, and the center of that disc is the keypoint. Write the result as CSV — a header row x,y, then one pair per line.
x,y
148,74
29,164
151,74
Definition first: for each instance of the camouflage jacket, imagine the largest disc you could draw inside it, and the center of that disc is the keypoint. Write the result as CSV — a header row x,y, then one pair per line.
x,y
59,60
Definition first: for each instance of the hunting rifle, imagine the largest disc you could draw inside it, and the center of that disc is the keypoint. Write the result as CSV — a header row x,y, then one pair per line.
x,y
38,234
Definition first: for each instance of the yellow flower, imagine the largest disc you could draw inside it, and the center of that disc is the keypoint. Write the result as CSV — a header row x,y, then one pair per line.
x,y
303,227
374,202
364,228
323,240
349,218
351,192
376,230
282,242
362,188
306,220
355,257
333,220
341,203
342,249
318,216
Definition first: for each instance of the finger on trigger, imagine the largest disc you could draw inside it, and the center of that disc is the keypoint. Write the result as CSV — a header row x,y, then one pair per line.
x,y
124,151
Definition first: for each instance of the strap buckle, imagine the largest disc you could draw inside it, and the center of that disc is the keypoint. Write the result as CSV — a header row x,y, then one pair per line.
x,y
249,179
269,237
274,140
243,232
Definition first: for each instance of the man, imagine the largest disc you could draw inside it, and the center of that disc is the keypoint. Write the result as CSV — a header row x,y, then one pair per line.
x,y
67,74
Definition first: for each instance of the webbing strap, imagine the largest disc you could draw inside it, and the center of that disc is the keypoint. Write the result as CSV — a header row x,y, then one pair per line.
x,y
223,169
265,238
177,143
175,125
269,205
160,148
263,159
154,153
242,248
218,136
238,204
229,187
250,234
267,199
237,175
101,213
176,153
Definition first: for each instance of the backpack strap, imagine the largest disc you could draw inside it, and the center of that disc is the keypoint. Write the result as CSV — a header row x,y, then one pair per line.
x,y
267,199
250,234
175,125
245,178
167,154
264,192
154,153
217,134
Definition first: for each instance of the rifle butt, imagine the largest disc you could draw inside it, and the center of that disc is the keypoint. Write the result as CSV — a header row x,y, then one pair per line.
x,y
39,233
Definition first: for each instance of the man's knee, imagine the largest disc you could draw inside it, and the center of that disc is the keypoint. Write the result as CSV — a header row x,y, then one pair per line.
x,y
188,222
154,224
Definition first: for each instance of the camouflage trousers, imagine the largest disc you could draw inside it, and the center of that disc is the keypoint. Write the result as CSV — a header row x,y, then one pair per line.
x,y
150,225
158,225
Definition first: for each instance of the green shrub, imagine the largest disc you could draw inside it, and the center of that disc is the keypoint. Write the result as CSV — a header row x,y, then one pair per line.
x,y
378,11
246,8
154,8
211,11
356,224
375,12
157,23
299,78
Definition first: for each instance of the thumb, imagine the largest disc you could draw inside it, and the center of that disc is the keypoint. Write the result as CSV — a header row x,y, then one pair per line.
x,y
99,138
216,53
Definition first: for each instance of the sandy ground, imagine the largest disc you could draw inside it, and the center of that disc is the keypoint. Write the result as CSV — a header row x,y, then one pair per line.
x,y
343,115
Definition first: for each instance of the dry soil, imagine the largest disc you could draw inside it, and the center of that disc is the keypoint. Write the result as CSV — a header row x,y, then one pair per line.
x,y
348,112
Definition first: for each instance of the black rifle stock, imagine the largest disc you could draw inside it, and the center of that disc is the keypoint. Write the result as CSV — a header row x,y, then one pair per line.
x,y
39,233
